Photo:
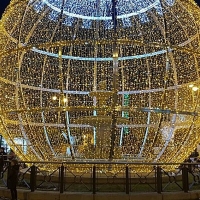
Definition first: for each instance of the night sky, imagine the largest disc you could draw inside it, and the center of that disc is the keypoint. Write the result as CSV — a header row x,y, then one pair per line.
x,y
4,3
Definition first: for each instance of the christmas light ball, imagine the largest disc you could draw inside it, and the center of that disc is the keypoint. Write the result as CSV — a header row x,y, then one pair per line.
x,y
114,80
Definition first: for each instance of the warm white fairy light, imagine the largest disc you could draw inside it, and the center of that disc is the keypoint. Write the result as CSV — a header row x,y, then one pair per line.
x,y
54,98
57,79
195,88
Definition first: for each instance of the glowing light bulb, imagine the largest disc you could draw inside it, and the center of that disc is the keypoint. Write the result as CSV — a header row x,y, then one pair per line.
x,y
54,98
191,85
195,88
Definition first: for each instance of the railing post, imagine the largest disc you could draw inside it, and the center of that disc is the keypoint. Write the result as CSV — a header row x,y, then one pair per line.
x,y
62,179
185,179
127,180
33,178
159,179
94,180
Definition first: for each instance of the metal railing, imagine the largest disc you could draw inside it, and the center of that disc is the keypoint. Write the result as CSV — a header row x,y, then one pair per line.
x,y
98,177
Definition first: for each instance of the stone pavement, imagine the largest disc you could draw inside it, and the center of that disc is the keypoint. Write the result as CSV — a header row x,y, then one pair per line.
x,y
49,195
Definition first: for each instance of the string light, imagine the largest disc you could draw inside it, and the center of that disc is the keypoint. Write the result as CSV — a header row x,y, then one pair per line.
x,y
57,86
54,98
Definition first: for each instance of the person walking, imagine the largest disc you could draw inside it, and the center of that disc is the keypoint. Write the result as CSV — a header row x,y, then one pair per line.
x,y
12,179
3,157
1,161
11,155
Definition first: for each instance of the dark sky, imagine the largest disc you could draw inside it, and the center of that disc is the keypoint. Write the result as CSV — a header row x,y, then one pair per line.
x,y
198,2
4,3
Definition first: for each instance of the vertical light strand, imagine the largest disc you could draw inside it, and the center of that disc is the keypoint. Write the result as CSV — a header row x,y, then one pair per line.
x,y
115,80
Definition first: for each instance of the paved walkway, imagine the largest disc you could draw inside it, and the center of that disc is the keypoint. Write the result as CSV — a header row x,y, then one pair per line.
x,y
50,195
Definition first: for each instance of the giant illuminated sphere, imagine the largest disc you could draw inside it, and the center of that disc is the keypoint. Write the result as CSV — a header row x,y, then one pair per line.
x,y
100,79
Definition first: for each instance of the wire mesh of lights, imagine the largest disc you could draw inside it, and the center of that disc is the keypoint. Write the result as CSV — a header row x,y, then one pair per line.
x,y
58,87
